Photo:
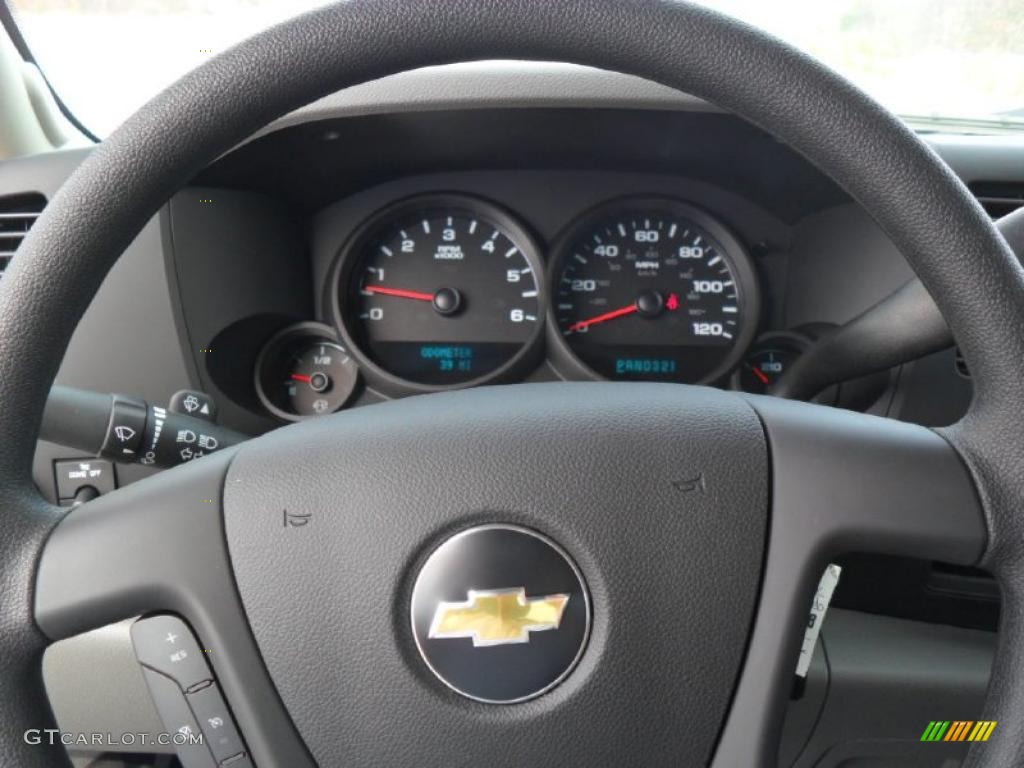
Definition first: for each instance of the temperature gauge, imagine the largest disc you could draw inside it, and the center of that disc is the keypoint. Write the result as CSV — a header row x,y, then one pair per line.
x,y
302,372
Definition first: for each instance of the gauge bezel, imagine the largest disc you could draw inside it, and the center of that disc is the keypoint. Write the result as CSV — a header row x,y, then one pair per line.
x,y
305,331
560,353
349,255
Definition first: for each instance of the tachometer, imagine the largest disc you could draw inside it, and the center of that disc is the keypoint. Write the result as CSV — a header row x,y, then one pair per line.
x,y
440,291
653,290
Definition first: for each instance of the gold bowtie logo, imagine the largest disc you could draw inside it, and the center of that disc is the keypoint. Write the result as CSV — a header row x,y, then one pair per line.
x,y
498,617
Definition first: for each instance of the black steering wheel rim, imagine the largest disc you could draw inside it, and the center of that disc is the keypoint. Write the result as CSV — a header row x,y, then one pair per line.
x,y
928,213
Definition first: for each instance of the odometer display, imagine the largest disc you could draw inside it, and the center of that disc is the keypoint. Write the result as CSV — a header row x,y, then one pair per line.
x,y
441,292
654,290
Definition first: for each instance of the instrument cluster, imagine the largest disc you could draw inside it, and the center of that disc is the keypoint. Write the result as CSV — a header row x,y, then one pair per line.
x,y
444,291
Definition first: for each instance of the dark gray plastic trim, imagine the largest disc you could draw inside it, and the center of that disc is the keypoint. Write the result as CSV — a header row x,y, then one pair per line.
x,y
887,678
904,326
504,84
159,546
102,663
841,482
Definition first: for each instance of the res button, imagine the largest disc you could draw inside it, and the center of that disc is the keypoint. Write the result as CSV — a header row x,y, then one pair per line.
x,y
165,644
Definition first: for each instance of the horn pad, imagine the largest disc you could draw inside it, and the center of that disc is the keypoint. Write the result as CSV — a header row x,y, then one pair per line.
x,y
657,497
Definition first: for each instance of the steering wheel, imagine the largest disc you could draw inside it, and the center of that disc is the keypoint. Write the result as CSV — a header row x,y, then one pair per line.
x,y
696,521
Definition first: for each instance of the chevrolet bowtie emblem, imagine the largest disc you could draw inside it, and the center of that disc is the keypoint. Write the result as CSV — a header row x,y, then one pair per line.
x,y
545,592
498,617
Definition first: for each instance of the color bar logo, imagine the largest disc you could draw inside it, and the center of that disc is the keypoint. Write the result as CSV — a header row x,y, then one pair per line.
x,y
958,730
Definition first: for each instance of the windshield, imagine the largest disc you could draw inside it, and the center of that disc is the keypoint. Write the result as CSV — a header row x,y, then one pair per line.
x,y
934,60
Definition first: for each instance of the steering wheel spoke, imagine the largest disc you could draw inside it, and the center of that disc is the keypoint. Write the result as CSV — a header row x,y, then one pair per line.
x,y
842,482
158,546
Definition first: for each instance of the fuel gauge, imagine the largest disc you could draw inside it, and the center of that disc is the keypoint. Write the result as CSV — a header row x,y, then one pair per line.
x,y
303,372
769,358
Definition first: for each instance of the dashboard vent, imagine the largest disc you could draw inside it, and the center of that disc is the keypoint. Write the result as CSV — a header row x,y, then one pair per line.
x,y
17,214
998,198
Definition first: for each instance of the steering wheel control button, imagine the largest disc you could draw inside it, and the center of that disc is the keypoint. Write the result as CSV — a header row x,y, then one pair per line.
x,y
500,614
189,402
166,645
216,723
75,475
179,722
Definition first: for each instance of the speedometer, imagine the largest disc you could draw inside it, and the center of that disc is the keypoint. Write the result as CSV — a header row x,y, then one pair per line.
x,y
653,290
440,291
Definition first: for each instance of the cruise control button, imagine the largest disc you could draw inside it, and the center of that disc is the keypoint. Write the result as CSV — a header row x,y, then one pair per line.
x,y
166,644
178,721
216,722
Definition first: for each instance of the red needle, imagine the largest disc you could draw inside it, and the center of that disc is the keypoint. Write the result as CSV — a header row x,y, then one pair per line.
x,y
761,375
621,312
302,378
399,292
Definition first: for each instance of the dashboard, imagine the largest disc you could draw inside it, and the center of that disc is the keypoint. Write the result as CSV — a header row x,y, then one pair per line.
x,y
714,257
265,282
